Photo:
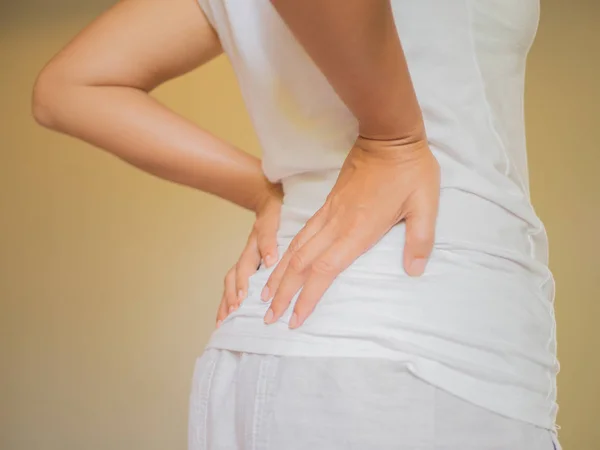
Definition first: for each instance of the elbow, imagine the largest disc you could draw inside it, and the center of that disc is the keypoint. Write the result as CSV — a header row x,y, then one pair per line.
x,y
45,99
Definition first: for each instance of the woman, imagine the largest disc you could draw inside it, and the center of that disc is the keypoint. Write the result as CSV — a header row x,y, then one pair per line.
x,y
405,300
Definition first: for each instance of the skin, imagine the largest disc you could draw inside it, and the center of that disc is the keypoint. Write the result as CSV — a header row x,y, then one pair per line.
x,y
104,77
355,44
390,174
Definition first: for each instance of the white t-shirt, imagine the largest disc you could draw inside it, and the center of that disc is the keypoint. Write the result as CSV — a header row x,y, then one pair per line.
x,y
480,321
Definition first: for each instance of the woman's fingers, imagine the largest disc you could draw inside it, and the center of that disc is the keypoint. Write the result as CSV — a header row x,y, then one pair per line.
x,y
222,311
337,257
267,244
311,227
230,290
301,262
261,245
235,287
245,267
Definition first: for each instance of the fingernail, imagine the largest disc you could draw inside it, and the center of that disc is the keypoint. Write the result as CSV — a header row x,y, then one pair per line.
x,y
417,267
240,295
294,322
268,260
219,322
231,309
264,295
269,316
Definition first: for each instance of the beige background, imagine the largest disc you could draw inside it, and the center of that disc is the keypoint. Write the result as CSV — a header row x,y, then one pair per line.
x,y
109,278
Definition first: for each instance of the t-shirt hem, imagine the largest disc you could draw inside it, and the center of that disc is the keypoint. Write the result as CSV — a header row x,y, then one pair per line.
x,y
491,396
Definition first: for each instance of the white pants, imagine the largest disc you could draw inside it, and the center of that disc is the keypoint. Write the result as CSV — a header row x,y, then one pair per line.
x,y
242,401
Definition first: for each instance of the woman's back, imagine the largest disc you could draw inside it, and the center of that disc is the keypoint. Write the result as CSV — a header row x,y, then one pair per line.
x,y
479,322
466,58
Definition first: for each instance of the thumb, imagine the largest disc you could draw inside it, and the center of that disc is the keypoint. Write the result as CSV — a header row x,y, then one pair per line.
x,y
420,234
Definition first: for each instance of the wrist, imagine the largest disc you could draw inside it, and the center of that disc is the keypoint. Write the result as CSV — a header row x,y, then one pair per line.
x,y
400,149
266,192
405,134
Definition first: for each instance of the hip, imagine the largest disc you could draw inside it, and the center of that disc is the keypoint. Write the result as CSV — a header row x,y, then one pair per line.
x,y
494,229
482,337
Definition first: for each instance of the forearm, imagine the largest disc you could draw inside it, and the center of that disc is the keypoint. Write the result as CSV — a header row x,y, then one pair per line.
x,y
356,45
135,127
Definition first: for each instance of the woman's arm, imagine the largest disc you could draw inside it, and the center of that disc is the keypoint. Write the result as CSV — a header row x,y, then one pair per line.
x,y
96,89
355,43
390,175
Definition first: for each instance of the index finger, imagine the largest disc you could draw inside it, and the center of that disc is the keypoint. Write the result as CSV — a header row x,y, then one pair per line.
x,y
306,233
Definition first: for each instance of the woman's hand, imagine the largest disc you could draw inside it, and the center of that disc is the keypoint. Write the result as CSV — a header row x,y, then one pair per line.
x,y
380,184
261,245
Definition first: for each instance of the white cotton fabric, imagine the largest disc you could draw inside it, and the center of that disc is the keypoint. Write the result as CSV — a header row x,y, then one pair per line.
x,y
243,401
480,322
